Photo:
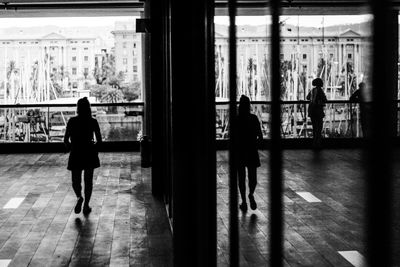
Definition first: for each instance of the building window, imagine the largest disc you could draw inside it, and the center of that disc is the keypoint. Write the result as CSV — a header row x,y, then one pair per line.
x,y
86,58
86,70
124,45
331,56
125,61
133,52
281,56
135,68
86,48
73,71
134,45
74,85
304,56
73,48
73,58
349,56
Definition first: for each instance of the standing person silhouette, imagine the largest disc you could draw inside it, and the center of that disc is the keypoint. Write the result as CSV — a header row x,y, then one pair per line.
x,y
359,97
316,105
248,135
83,156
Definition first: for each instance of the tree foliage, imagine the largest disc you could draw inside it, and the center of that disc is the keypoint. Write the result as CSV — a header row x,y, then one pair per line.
x,y
110,86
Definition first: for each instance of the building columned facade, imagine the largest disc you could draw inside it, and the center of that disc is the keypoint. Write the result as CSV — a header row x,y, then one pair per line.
x,y
306,53
128,50
35,62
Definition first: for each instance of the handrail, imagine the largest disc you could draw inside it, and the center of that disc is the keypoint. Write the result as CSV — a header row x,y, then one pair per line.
x,y
70,105
282,102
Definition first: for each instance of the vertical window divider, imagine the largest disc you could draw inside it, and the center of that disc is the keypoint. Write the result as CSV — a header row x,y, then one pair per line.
x,y
233,187
275,155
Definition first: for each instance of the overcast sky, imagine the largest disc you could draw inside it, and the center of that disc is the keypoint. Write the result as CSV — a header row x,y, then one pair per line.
x,y
61,22
241,20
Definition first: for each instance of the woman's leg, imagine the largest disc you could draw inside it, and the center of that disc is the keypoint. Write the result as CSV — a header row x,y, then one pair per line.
x,y
88,177
76,182
242,182
319,128
252,173
314,129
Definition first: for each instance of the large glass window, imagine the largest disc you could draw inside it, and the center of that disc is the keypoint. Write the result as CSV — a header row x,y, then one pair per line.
x,y
60,39
57,60
336,49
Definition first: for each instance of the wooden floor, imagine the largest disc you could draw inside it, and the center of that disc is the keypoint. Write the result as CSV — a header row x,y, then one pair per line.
x,y
324,207
127,226
315,232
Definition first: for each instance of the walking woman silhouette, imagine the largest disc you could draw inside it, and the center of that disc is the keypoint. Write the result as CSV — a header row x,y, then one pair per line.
x,y
83,152
248,137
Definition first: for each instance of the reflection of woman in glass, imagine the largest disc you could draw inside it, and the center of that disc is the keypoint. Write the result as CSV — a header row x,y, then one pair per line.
x,y
83,157
359,97
249,134
316,105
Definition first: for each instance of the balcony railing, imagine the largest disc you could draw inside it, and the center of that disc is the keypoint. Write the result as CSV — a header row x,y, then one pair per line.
x,y
342,119
47,122
39,123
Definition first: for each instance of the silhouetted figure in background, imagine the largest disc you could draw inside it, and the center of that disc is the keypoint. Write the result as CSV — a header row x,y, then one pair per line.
x,y
359,97
84,156
316,105
249,134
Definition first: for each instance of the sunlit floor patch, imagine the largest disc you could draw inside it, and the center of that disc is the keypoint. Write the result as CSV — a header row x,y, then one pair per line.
x,y
308,197
4,263
13,203
287,200
354,257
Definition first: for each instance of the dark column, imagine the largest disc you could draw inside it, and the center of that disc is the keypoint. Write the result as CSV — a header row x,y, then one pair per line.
x,y
193,133
276,187
233,185
146,70
382,132
157,116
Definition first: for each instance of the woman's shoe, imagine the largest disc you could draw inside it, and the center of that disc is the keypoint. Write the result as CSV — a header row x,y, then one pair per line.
x,y
253,204
86,210
78,205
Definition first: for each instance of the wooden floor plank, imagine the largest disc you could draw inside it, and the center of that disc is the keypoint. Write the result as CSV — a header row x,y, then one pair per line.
x,y
314,231
44,230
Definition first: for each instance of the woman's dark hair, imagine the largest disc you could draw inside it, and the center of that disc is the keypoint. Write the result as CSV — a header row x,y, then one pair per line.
x,y
317,82
244,105
361,85
83,108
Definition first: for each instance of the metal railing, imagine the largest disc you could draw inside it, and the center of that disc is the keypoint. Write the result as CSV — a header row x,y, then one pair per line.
x,y
342,119
47,122
124,121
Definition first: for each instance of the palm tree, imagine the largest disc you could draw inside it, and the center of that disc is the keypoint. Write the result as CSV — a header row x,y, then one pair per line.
x,y
112,96
250,67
